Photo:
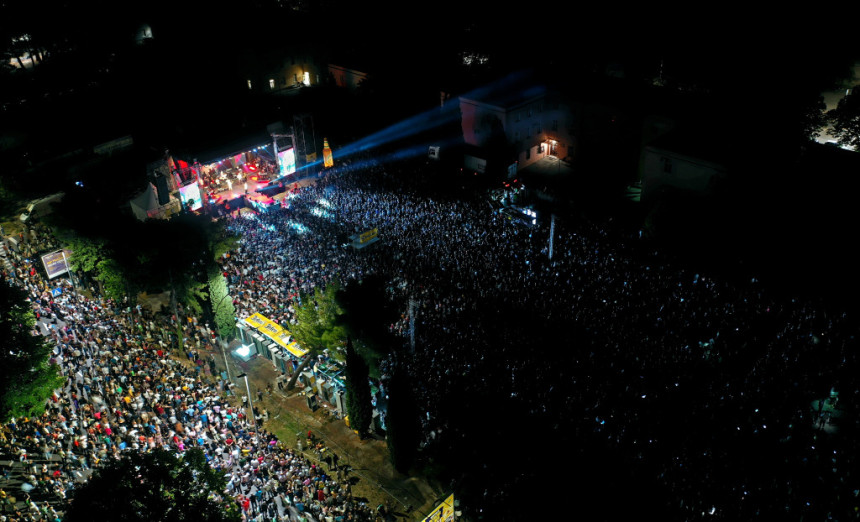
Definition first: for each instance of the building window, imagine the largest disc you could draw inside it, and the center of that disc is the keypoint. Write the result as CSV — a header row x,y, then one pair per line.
x,y
555,125
517,136
249,84
528,153
517,115
271,83
528,133
295,79
530,112
537,128
667,165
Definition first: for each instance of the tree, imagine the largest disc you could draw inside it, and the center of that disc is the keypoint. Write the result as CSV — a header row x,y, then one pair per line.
x,y
156,486
401,421
317,325
358,405
27,378
367,314
222,306
845,121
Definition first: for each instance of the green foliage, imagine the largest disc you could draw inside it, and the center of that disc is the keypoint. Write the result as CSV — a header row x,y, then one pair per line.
x,y
358,404
222,307
87,253
317,317
27,379
366,314
812,118
401,422
845,121
156,486
112,277
193,296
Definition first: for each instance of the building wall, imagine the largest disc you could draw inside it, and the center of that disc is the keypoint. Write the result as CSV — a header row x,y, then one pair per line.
x,y
528,126
662,169
346,78
286,73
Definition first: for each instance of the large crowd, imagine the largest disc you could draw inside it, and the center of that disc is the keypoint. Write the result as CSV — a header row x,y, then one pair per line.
x,y
600,346
127,390
609,342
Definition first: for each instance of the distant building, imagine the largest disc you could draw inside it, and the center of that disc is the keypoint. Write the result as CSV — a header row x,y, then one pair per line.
x,y
346,77
535,119
683,160
282,71
533,122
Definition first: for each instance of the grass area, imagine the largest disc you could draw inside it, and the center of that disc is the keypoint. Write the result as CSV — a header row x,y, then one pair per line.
x,y
284,424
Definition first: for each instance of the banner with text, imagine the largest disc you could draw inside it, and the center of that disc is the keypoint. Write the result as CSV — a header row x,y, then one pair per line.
x,y
275,332
444,512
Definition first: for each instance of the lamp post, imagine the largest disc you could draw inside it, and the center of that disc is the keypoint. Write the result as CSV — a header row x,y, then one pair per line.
x,y
250,402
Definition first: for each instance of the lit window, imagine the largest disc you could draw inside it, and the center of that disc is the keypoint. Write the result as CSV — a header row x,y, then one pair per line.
x,y
249,84
307,79
271,83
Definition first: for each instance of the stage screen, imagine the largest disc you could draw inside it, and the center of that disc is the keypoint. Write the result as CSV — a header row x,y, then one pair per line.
x,y
190,195
287,161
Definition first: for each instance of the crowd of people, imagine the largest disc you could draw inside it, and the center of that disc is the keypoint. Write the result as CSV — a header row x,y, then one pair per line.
x,y
702,384
610,341
128,390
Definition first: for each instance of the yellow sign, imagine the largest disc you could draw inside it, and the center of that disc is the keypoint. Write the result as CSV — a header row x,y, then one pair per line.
x,y
444,512
310,158
275,332
367,236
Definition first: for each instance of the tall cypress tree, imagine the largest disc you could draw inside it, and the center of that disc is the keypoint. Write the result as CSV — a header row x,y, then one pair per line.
x,y
358,404
401,421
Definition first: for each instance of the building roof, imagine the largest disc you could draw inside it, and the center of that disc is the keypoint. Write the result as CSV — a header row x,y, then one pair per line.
x,y
704,144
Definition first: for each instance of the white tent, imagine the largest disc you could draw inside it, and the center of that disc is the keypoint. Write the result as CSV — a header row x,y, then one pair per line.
x,y
146,205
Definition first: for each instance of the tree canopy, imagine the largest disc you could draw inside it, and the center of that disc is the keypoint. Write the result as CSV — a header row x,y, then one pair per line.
x,y
845,121
156,486
27,378
317,319
366,315
358,405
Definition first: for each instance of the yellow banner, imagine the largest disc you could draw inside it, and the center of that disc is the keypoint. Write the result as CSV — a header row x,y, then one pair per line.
x,y
257,320
444,512
367,236
275,332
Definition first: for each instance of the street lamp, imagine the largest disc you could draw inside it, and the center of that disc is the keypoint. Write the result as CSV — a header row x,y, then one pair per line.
x,y
250,402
